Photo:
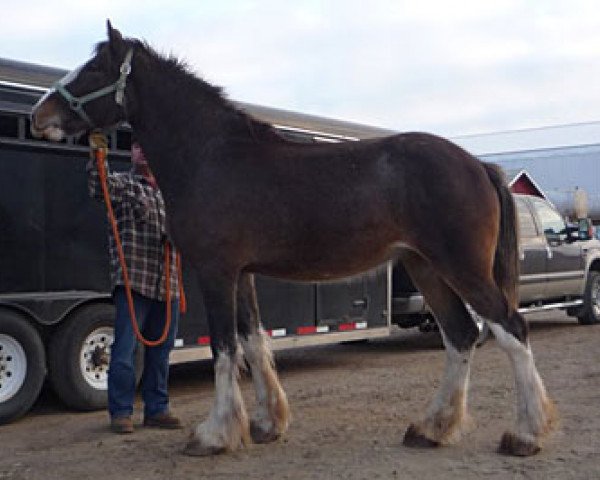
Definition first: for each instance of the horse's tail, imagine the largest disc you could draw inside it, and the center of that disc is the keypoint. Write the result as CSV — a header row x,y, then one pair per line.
x,y
506,259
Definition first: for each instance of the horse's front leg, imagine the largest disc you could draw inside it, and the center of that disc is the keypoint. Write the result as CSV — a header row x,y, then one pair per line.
x,y
271,418
227,427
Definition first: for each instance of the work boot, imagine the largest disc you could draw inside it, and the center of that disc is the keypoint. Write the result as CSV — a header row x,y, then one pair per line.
x,y
163,420
121,425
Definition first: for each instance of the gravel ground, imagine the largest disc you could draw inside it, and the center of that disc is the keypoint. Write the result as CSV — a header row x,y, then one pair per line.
x,y
350,405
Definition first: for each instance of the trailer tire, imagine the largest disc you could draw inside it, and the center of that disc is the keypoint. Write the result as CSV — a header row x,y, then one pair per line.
x,y
22,365
590,314
78,357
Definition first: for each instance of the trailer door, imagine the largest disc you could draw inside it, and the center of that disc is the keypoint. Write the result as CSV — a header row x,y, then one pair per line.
x,y
357,302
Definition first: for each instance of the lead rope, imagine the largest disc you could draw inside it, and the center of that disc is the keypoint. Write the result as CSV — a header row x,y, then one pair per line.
x,y
99,146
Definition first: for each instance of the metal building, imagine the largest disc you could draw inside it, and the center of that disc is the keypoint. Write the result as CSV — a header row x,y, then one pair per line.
x,y
564,161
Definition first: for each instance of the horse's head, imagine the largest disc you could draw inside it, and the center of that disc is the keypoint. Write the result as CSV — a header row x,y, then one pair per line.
x,y
91,96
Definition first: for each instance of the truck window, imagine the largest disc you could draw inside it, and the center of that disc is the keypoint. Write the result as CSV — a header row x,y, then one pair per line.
x,y
527,228
552,222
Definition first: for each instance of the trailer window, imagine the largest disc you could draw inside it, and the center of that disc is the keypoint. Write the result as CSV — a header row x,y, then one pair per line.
x,y
123,140
299,137
9,126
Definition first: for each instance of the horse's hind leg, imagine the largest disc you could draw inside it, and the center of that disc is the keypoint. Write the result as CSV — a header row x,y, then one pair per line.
x,y
446,418
271,418
226,427
536,414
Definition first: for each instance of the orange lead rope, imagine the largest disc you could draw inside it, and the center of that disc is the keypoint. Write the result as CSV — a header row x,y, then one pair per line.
x,y
99,145
182,299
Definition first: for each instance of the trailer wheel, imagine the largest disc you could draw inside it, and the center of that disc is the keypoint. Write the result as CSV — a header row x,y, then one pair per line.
x,y
79,355
590,313
22,366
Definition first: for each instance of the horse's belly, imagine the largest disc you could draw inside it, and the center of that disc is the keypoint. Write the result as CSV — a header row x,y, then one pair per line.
x,y
328,265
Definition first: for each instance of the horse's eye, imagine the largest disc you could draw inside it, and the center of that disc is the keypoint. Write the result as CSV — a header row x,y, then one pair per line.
x,y
94,66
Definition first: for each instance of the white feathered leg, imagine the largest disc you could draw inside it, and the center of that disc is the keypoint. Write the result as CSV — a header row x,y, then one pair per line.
x,y
536,414
272,415
226,428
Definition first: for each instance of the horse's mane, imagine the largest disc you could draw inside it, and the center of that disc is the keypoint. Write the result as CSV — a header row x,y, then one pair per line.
x,y
191,86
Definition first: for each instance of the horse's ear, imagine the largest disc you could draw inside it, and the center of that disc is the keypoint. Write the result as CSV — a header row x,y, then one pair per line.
x,y
115,39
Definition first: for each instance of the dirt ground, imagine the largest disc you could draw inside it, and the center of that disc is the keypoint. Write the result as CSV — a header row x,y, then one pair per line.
x,y
351,405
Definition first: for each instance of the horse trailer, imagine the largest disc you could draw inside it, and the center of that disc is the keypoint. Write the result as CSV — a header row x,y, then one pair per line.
x,y
55,302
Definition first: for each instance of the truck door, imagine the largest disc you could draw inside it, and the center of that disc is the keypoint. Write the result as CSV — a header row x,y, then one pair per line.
x,y
533,254
565,268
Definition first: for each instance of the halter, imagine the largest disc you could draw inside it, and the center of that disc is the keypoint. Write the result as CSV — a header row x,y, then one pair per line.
x,y
76,103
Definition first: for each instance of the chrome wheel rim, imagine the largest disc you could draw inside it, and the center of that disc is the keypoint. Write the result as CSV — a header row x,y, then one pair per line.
x,y
13,367
94,357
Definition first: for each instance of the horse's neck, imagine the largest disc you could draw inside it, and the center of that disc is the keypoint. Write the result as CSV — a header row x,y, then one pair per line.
x,y
173,103
171,126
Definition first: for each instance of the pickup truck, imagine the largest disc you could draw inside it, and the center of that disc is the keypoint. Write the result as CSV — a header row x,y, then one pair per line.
x,y
559,269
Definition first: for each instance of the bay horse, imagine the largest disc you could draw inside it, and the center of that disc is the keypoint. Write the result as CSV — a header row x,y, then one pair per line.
x,y
242,200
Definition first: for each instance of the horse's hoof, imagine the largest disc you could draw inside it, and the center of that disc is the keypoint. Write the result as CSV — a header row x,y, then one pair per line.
x,y
260,435
515,446
194,448
414,439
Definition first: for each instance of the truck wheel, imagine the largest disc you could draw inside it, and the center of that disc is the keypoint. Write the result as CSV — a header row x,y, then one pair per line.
x,y
591,300
79,355
22,366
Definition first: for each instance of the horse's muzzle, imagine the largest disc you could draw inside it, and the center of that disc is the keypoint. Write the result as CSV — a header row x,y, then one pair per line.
x,y
45,121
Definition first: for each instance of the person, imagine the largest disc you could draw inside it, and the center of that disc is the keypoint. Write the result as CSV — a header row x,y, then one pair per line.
x,y
140,215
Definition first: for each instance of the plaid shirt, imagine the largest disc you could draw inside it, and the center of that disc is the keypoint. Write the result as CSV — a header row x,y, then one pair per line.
x,y
140,213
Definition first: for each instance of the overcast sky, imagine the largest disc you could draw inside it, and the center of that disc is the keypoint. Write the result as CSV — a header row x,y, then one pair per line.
x,y
449,67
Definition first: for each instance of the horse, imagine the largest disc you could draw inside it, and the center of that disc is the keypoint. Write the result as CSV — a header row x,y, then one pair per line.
x,y
243,200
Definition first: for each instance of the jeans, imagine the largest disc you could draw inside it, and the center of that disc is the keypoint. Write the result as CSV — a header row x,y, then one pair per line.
x,y
151,316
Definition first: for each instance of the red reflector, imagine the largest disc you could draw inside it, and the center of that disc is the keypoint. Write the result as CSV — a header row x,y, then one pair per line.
x,y
203,340
344,327
306,330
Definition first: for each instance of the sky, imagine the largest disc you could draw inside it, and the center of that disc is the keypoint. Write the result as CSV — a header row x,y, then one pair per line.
x,y
449,67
